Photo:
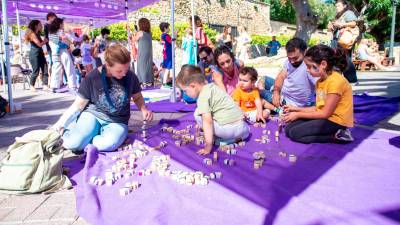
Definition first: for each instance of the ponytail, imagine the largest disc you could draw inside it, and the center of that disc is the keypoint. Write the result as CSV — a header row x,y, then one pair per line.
x,y
335,58
340,58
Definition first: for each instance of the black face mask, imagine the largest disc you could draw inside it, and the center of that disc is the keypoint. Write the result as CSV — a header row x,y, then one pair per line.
x,y
205,63
297,64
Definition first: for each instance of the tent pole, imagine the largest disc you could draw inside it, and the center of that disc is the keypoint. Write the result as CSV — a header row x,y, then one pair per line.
x,y
7,53
19,35
173,96
194,34
3,68
91,28
127,24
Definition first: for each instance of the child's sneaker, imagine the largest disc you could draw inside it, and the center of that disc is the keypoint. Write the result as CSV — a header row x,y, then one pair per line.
x,y
344,135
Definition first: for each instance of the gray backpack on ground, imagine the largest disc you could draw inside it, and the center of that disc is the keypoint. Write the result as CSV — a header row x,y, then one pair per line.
x,y
33,164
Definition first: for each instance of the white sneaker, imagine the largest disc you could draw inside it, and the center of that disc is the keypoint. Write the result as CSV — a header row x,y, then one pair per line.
x,y
344,135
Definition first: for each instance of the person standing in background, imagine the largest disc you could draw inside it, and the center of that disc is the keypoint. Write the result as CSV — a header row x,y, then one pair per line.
x,y
144,53
188,44
166,40
345,19
243,42
36,54
273,47
49,18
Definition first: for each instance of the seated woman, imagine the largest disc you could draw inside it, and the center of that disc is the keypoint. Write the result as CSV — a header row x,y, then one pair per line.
x,y
226,74
103,105
330,119
364,53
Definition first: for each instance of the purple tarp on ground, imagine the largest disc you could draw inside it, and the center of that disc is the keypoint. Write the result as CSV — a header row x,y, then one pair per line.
x,y
166,106
368,110
355,183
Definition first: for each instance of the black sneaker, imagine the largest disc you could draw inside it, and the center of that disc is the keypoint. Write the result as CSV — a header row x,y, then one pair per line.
x,y
344,135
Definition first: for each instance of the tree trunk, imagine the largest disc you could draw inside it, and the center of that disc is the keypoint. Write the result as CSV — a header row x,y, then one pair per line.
x,y
306,20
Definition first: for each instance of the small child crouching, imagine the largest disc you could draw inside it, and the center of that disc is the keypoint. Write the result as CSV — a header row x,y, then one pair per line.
x,y
247,96
216,112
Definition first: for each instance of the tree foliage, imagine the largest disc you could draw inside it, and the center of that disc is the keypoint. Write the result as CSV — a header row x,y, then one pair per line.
x,y
378,14
282,10
119,33
378,17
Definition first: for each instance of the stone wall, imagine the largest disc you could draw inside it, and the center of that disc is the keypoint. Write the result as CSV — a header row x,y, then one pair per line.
x,y
253,15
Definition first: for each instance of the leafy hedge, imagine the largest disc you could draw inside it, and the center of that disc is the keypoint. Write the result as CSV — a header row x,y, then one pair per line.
x,y
118,32
283,39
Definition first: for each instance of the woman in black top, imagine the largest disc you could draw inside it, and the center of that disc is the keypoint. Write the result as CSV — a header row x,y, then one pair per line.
x,y
101,110
36,54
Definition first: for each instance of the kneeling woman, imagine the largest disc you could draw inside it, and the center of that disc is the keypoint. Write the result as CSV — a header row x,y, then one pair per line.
x,y
103,105
330,119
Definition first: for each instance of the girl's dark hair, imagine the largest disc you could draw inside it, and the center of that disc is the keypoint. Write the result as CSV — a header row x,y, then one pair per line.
x,y
31,29
223,50
163,26
335,58
85,37
33,24
105,31
76,52
55,25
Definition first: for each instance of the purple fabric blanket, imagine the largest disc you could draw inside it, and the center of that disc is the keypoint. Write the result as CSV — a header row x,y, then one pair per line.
x,y
166,106
368,110
329,184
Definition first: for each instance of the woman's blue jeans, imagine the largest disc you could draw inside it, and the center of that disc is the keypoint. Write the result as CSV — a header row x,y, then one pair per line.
x,y
106,136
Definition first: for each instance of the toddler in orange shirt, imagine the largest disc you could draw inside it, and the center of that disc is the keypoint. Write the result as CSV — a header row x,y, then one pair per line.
x,y
247,96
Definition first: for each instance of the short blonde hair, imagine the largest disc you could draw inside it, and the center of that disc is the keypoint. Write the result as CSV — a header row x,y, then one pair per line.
x,y
190,74
117,54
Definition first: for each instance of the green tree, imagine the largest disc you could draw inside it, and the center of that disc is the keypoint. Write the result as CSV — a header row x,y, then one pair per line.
x,y
308,16
378,18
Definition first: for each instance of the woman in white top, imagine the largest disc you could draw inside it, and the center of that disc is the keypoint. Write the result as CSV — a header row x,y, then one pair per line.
x,y
62,60
243,43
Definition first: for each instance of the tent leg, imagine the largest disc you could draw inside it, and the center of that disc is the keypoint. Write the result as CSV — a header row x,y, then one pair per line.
x,y
19,37
194,34
7,54
173,96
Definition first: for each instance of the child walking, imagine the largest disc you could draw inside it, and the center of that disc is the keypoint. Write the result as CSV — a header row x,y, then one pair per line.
x,y
166,40
330,119
247,96
216,112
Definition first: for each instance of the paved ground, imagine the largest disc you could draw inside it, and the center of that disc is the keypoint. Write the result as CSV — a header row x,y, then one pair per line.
x,y
42,109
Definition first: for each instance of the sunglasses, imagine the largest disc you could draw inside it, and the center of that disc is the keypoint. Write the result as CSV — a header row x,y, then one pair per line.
x,y
203,58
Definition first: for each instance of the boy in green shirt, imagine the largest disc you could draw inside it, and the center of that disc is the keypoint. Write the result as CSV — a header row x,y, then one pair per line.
x,y
216,112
